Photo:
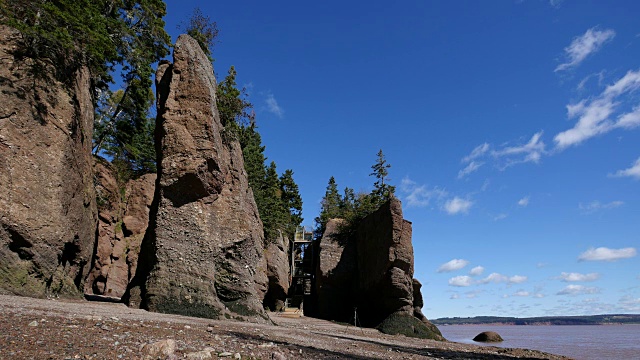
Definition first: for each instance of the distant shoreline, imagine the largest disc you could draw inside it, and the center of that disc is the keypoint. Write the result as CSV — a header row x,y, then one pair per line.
x,y
608,319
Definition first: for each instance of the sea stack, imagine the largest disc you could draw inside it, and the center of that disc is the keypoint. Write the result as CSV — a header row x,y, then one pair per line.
x,y
203,252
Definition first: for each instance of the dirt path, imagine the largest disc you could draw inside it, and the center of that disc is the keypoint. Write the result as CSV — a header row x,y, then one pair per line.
x,y
64,329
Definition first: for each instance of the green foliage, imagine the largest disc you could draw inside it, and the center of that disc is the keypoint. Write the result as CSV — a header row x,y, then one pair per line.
x,y
203,30
354,207
290,197
382,191
234,108
127,140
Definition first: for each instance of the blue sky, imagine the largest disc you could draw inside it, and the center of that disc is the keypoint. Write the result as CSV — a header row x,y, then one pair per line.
x,y
512,128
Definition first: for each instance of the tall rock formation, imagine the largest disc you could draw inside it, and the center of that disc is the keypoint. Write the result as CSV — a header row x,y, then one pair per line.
x,y
278,273
385,263
336,276
123,216
371,270
203,252
47,201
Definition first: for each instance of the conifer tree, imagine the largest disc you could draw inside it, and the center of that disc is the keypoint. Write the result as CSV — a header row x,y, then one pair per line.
x,y
274,215
382,191
292,202
330,207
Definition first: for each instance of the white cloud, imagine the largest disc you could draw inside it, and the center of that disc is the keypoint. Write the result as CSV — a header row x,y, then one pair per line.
x,y
594,114
272,106
628,303
524,201
457,205
454,296
478,270
453,265
472,167
586,44
633,171
419,195
538,295
517,279
479,151
500,217
597,205
473,294
571,277
506,155
529,152
629,120
499,278
578,290
461,281
521,293
556,3
606,254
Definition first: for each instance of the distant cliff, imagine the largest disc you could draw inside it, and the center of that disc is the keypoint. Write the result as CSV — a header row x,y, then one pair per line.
x,y
544,320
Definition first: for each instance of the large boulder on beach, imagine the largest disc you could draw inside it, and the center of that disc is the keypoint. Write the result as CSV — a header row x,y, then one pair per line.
x,y
277,258
203,254
488,336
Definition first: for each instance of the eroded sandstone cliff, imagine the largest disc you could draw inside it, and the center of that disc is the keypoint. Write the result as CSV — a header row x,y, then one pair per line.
x,y
47,199
203,252
123,216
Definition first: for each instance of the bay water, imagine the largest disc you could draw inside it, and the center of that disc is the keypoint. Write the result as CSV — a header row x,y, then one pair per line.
x,y
575,341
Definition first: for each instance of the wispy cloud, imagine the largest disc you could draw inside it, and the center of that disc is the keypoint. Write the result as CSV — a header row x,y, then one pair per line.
x,y
597,205
506,155
521,293
419,195
501,216
629,303
454,296
476,271
574,290
606,254
594,115
524,202
577,277
470,168
457,205
586,44
556,3
272,105
499,278
461,281
453,265
633,171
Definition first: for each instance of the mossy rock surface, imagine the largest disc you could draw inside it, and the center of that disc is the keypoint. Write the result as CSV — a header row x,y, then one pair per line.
x,y
488,336
408,325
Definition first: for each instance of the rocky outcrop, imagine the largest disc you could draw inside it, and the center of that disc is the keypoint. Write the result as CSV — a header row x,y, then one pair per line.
x,y
203,252
47,201
278,267
336,276
385,263
123,216
371,270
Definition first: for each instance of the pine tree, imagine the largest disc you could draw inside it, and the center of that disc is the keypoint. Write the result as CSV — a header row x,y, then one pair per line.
x,y
290,197
382,191
330,207
274,215
203,30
